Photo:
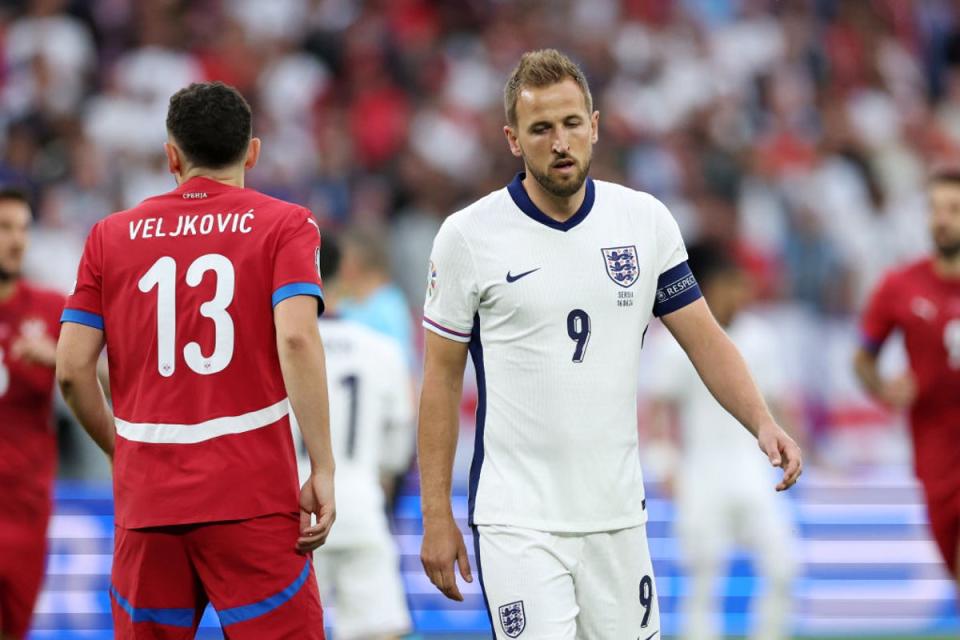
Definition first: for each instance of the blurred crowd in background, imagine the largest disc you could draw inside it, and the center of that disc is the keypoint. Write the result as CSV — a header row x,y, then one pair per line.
x,y
798,132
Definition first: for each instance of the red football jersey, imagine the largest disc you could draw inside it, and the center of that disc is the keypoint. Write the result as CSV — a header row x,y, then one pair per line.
x,y
28,446
184,286
926,308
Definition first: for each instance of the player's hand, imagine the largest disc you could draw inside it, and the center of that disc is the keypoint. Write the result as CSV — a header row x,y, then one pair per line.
x,y
442,547
899,392
35,349
316,498
783,452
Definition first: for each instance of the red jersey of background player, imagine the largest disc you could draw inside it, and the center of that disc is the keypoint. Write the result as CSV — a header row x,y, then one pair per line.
x,y
184,286
28,446
925,307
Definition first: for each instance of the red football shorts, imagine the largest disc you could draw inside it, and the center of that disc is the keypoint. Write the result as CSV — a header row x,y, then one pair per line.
x,y
943,510
23,549
249,570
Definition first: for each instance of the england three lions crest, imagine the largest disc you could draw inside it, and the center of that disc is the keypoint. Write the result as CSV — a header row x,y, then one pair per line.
x,y
622,264
512,619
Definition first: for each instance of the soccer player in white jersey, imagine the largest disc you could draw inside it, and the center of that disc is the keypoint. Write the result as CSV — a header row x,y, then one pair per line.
x,y
371,430
720,484
550,283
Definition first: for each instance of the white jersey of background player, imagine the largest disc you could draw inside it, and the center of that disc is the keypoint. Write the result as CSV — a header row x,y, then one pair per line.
x,y
721,482
371,431
550,283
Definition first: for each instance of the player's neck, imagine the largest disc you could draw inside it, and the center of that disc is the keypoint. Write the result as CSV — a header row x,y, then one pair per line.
x,y
232,176
560,209
947,267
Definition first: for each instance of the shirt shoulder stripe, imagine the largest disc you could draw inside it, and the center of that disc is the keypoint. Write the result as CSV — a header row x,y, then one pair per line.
x,y
296,289
82,317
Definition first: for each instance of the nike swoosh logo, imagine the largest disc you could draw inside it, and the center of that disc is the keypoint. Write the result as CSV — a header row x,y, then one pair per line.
x,y
652,634
514,278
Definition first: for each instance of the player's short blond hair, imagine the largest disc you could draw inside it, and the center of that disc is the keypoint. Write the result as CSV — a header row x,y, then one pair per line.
x,y
542,68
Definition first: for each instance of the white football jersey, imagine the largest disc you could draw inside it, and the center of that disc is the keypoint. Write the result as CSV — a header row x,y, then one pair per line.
x,y
715,444
371,424
555,315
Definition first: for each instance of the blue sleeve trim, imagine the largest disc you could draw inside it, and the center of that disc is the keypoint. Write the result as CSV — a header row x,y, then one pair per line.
x,y
870,345
297,289
676,288
257,609
82,317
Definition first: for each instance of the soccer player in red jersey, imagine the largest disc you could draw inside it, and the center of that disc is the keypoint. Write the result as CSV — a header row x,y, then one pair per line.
x,y
29,325
207,299
922,301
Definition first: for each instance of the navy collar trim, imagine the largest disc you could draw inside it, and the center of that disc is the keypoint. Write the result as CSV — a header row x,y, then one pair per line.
x,y
523,201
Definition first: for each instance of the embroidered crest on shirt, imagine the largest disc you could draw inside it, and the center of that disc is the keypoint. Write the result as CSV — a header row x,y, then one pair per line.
x,y
622,264
33,328
512,618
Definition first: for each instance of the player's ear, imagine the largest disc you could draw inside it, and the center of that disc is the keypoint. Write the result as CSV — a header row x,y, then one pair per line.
x,y
175,163
595,126
253,154
512,141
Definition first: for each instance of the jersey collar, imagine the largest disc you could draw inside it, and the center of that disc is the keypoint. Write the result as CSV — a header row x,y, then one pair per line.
x,y
523,201
204,185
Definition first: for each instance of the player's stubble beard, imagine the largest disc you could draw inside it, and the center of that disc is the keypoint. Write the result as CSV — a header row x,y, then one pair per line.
x,y
555,187
948,249
8,275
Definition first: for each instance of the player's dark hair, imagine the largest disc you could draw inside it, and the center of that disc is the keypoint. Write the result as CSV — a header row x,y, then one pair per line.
x,y
946,175
211,123
542,68
709,260
17,194
329,257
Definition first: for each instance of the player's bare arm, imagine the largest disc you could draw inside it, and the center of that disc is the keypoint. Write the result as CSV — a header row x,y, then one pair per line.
x,y
443,545
724,372
78,352
304,375
897,392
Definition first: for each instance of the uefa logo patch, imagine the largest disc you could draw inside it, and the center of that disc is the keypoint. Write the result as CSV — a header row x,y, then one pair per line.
x,y
512,618
431,280
622,264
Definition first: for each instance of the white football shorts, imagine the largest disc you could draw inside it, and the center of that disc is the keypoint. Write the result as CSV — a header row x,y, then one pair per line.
x,y
364,587
567,586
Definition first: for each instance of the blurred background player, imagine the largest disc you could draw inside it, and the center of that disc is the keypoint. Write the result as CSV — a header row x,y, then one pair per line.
x,y
368,294
721,481
371,429
29,326
207,298
921,300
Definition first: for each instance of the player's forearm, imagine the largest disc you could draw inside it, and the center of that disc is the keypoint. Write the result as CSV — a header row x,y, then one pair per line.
x,y
83,394
304,375
437,443
865,366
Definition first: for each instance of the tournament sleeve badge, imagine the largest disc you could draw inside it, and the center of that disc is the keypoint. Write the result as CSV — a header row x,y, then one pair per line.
x,y
432,280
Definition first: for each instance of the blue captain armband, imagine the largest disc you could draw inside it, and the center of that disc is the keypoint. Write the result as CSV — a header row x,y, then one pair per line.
x,y
676,288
